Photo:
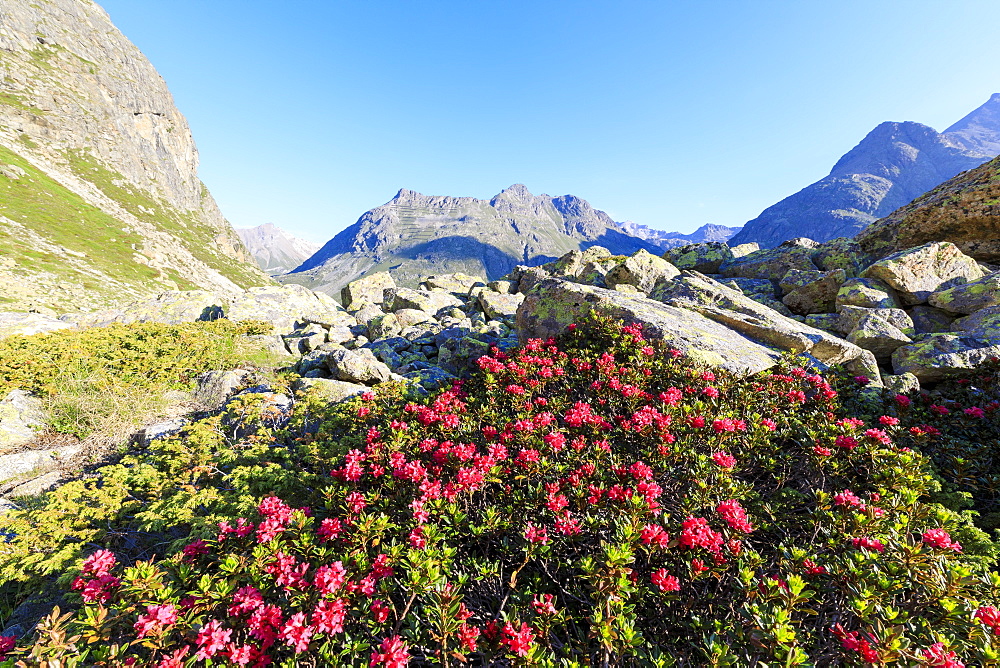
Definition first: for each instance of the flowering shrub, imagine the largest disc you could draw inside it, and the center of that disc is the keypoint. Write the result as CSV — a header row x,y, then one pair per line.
x,y
599,500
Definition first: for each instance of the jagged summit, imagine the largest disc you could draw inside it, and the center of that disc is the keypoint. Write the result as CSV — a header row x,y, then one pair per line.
x,y
895,163
414,235
980,130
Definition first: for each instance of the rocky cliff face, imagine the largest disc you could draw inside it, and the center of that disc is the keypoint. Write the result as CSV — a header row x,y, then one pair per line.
x,y
965,211
274,249
415,235
101,197
893,164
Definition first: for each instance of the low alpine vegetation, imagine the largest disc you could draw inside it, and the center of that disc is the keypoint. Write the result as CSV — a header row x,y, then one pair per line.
x,y
597,500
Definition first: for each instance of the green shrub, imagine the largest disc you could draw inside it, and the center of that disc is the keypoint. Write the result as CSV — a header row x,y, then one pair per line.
x,y
603,502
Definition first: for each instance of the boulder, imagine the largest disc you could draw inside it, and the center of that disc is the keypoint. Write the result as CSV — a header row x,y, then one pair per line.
x,y
354,367
383,326
984,322
526,278
429,301
930,320
841,253
367,313
969,297
169,308
213,388
333,391
816,296
35,462
575,263
284,306
503,287
305,339
705,258
850,316
26,324
866,293
160,430
641,270
796,278
554,304
917,272
713,300
366,289
742,250
752,287
939,356
21,418
496,305
771,263
457,284
429,376
904,383
876,335
411,316
825,321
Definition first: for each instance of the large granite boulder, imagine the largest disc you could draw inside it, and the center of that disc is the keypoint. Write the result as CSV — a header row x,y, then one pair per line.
x,y
496,305
286,305
985,322
429,301
726,306
915,273
939,356
850,316
642,270
772,263
26,324
969,297
704,257
213,388
368,289
867,293
874,334
353,367
816,296
841,253
555,303
457,284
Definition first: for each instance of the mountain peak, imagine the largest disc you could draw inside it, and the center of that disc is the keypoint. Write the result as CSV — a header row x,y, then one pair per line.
x,y
979,131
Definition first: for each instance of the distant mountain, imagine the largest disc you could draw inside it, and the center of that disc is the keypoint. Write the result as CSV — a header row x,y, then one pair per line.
x,y
414,235
666,240
893,164
276,251
100,199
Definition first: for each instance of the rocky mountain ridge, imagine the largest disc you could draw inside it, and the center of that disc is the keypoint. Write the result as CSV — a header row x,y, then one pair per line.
x,y
99,193
894,164
276,250
415,235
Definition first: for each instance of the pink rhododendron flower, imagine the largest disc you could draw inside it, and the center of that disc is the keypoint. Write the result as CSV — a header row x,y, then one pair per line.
x,y
697,533
99,563
211,639
990,617
847,498
724,459
175,659
665,581
468,635
535,534
157,617
888,421
392,653
735,515
655,535
543,606
846,442
937,656
296,633
940,539
868,544
518,640
974,412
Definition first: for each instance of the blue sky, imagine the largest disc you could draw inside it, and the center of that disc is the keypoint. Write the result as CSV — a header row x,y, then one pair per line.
x,y
670,113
